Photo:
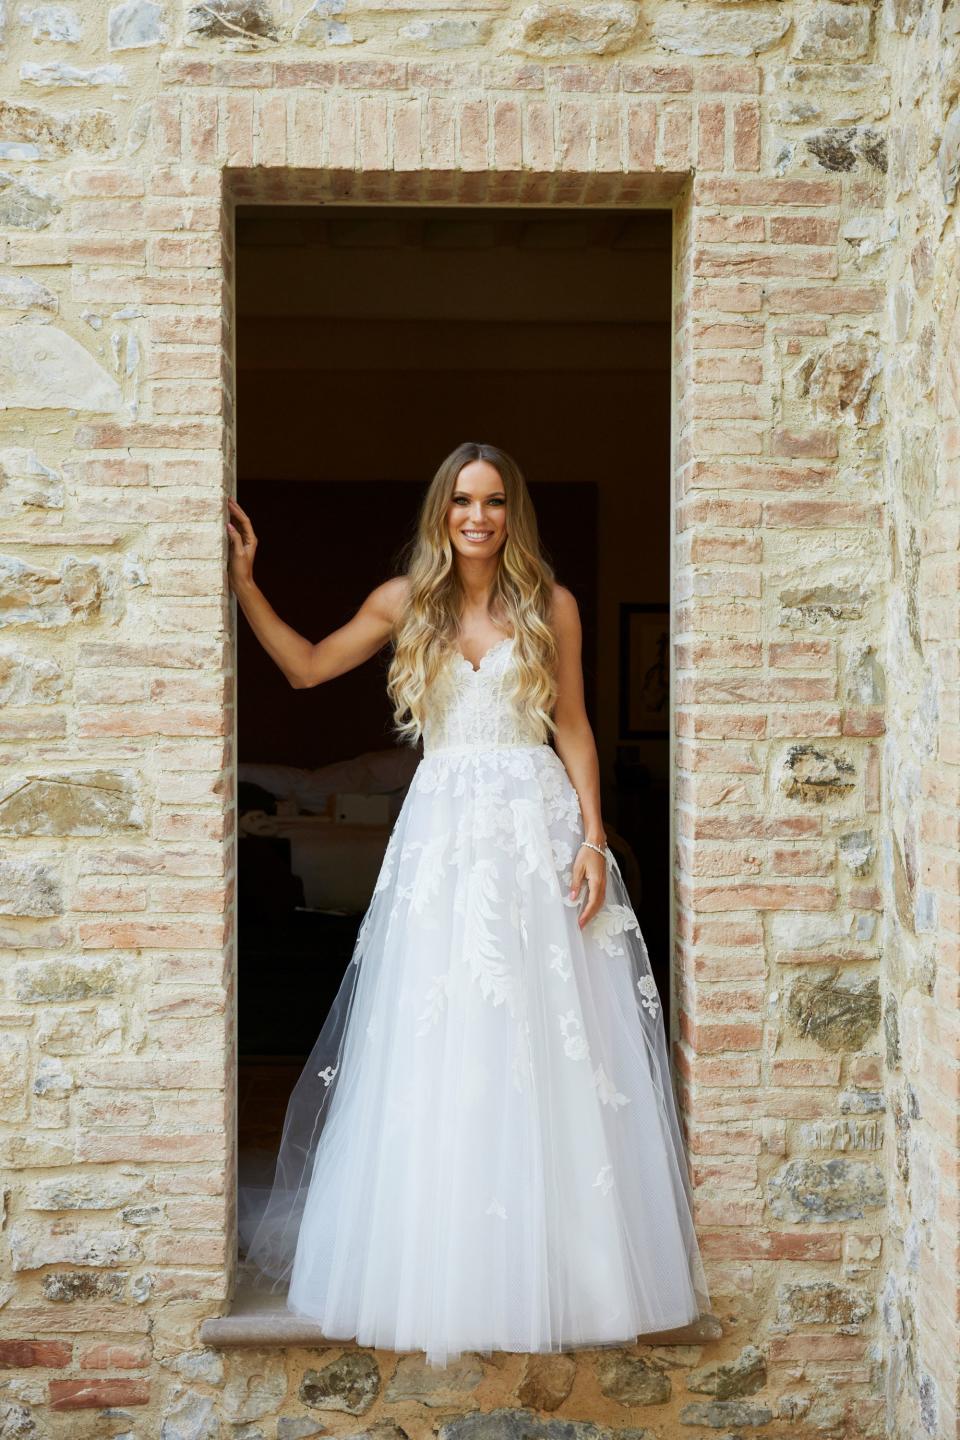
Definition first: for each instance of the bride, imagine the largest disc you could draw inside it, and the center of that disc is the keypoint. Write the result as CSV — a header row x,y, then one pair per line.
x,y
483,1151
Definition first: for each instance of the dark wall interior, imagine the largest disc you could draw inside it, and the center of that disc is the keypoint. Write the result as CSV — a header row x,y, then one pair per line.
x,y
370,342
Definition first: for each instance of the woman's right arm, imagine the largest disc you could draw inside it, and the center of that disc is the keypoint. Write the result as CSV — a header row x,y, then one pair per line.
x,y
304,663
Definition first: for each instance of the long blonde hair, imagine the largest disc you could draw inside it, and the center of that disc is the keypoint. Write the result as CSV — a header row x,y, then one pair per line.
x,y
522,593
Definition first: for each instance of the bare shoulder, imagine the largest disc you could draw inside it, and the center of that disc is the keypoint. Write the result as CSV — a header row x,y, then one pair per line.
x,y
564,611
388,601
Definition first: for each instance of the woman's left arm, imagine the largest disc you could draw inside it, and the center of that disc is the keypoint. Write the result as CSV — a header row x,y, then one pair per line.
x,y
578,750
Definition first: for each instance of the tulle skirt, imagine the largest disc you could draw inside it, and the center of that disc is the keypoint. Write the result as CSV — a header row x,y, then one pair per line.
x,y
482,1152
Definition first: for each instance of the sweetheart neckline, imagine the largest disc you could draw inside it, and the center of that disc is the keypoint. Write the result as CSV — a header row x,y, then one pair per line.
x,y
475,669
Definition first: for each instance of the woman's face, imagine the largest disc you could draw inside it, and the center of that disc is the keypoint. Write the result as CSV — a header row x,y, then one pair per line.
x,y
477,513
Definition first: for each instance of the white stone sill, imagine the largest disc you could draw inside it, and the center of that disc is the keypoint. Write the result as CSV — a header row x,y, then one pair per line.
x,y
258,1318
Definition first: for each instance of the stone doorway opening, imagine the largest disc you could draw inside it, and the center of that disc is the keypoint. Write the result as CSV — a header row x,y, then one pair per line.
x,y
369,341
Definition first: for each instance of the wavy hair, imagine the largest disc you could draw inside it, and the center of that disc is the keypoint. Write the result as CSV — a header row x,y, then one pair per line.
x,y
521,595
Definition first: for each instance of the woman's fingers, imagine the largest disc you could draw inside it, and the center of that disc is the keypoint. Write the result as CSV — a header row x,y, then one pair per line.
x,y
596,891
243,522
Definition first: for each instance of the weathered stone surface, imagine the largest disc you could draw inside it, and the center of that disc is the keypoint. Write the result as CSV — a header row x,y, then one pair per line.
x,y
350,1383
55,74
547,1381
447,33
29,887
244,22
720,1413
552,30
44,980
825,1191
839,1013
319,25
509,1424
833,32
864,682
857,851
44,368
383,1430
891,1032
52,1078
135,25
699,30
830,95
23,207
823,1302
414,1379
811,605
861,1102
841,1135
27,484
948,157
33,1245
20,292
815,775
80,1032
68,1286
84,1192
304,1427
743,1376
251,1392
191,1416
840,148
839,380
28,680
31,595
54,133
17,1422
53,22
91,802
13,1072
205,1365
631,1380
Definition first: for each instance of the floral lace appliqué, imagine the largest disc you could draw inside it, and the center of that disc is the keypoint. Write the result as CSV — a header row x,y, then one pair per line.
x,y
574,1040
607,1091
650,995
610,921
604,1180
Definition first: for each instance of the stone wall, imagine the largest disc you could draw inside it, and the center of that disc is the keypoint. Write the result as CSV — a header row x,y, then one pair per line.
x,y
816,542
919,852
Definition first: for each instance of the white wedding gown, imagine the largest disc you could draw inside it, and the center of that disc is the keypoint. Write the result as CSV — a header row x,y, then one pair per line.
x,y
483,1151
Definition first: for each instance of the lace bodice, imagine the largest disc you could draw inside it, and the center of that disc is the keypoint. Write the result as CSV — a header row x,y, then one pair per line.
x,y
471,709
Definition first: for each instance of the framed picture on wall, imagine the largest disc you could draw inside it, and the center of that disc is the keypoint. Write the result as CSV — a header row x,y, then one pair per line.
x,y
644,671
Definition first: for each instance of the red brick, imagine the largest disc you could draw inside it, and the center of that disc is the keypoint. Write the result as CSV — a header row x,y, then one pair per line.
x,y
711,126
746,136
115,1357
372,74
137,935
756,1244
824,299
710,191
656,78
801,444
825,1070
94,1394
143,1148
23,1354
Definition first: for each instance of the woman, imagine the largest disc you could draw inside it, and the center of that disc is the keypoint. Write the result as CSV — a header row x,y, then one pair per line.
x,y
483,1151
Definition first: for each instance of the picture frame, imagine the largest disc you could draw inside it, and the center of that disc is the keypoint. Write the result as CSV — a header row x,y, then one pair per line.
x,y
644,671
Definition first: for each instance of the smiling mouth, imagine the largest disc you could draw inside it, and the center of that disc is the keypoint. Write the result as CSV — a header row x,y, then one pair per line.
x,y
477,534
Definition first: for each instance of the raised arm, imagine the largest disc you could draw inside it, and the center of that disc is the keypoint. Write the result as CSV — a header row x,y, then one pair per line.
x,y
304,663
577,749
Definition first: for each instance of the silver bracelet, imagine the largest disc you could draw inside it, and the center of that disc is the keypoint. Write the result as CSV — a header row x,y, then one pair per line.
x,y
590,846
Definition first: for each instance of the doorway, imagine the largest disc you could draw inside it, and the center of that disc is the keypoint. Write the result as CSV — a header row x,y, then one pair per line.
x,y
370,341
